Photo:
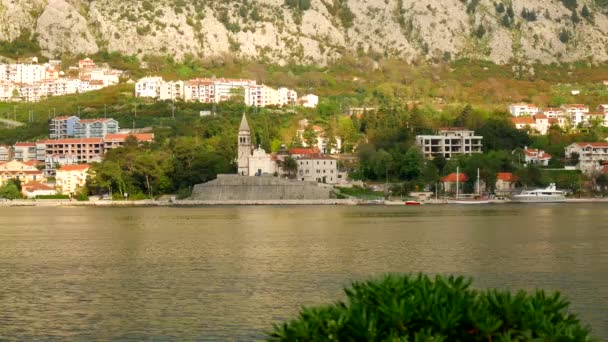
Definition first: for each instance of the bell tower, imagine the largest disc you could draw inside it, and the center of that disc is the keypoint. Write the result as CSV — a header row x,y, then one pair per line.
x,y
244,147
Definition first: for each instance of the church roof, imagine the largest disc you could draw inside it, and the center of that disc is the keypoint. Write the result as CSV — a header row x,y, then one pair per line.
x,y
244,124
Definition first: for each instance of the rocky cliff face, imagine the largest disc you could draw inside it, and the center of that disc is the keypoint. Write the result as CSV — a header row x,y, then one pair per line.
x,y
317,31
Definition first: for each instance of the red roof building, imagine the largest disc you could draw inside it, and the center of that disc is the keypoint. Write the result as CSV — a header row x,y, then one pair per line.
x,y
453,177
117,140
75,167
449,181
507,177
302,152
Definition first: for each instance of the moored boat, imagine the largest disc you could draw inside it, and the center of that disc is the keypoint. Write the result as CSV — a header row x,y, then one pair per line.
x,y
547,195
412,203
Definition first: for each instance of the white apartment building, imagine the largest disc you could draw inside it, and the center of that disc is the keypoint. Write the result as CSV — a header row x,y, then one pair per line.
x,y
215,90
287,96
5,153
450,142
95,128
553,112
24,151
171,91
6,91
201,90
590,155
520,109
576,113
224,87
33,82
148,87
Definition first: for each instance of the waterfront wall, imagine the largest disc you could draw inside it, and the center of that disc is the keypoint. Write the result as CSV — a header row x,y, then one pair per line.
x,y
240,188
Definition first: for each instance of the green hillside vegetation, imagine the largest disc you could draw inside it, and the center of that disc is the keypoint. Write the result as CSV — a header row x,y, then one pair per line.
x,y
410,100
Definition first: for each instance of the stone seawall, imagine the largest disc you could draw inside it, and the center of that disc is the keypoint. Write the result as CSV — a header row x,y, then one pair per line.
x,y
239,188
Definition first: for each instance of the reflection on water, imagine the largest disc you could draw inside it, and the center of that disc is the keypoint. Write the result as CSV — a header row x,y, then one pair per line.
x,y
230,272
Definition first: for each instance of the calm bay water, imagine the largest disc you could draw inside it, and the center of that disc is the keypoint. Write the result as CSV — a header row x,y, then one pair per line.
x,y
229,273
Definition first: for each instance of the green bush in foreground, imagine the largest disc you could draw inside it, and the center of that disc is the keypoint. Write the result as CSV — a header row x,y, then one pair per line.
x,y
418,308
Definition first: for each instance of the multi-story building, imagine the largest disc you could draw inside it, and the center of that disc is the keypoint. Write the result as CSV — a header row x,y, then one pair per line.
x,y
8,92
521,109
575,113
62,127
70,178
86,63
287,97
24,172
5,153
52,161
553,112
214,90
201,90
33,82
226,87
591,155
450,142
591,118
24,151
538,123
536,156
171,91
86,150
321,169
95,128
112,141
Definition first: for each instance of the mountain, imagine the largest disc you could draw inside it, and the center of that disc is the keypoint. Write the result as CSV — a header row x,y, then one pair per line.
x,y
317,31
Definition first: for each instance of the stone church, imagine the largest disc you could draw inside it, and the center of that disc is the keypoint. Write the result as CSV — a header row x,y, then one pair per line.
x,y
252,162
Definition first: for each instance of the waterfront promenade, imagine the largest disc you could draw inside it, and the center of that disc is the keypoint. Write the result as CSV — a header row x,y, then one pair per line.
x,y
186,203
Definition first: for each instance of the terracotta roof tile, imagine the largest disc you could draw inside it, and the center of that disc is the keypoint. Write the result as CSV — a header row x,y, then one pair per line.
x,y
507,177
74,167
523,120
121,137
451,178
304,151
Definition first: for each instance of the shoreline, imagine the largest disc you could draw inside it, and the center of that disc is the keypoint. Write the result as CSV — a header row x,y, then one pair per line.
x,y
193,203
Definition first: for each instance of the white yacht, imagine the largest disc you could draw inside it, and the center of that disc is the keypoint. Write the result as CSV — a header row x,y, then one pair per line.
x,y
548,195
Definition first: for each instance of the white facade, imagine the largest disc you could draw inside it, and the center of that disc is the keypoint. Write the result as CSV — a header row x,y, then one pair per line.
x,y
576,113
538,123
535,156
171,90
287,96
34,82
148,87
450,142
261,163
309,101
591,155
320,169
519,109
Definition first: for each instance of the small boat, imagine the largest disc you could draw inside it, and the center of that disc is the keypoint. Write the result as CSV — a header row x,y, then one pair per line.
x,y
548,195
412,203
